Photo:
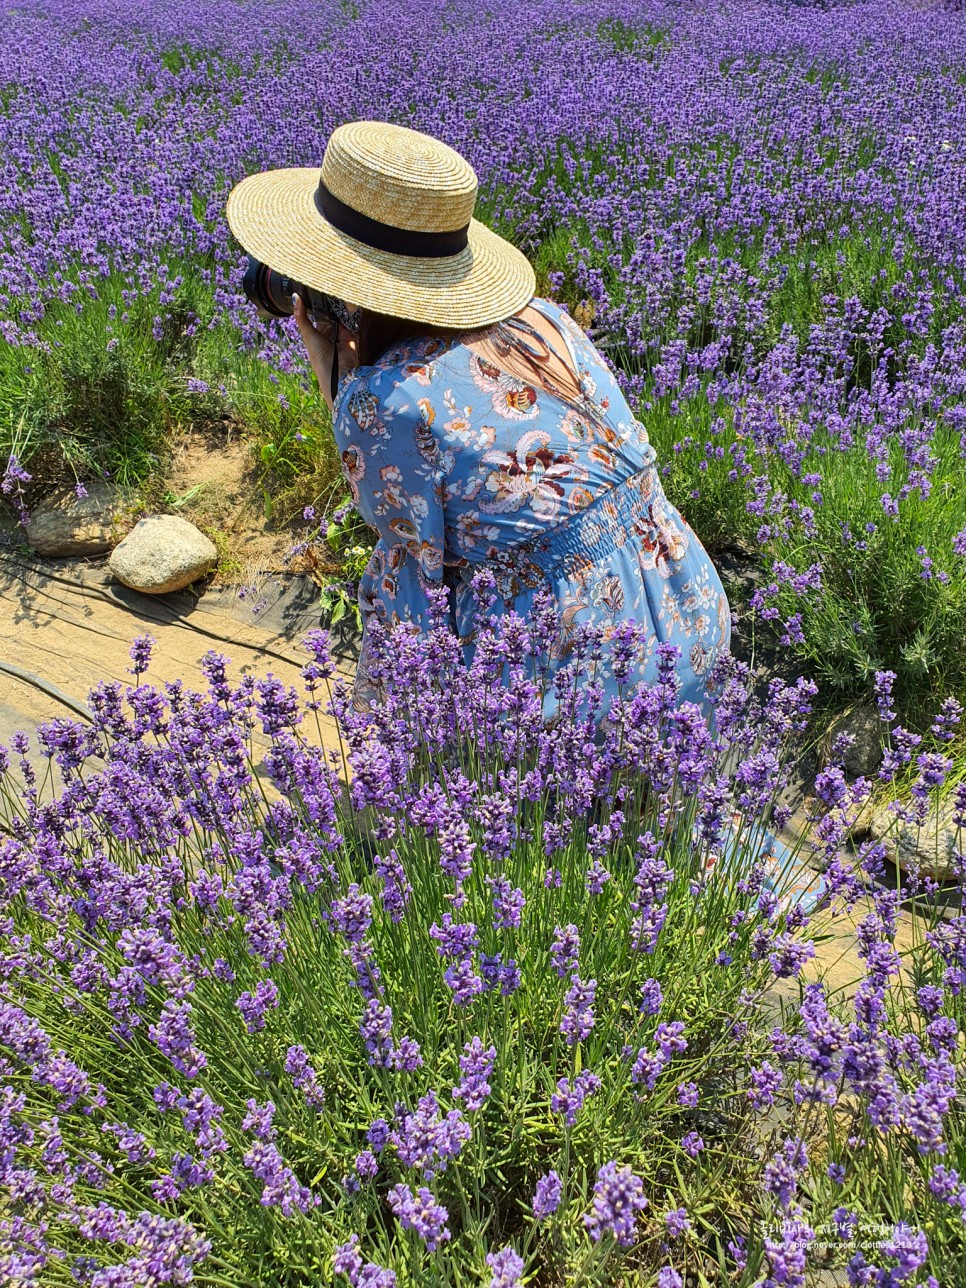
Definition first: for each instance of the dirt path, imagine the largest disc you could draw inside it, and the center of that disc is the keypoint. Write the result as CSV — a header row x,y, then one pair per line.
x,y
66,627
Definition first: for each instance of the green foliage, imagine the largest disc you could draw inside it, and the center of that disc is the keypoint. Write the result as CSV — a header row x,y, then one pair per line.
x,y
632,39
350,542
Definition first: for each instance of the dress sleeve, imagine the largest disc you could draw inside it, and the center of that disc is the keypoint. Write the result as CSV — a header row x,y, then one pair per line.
x,y
399,478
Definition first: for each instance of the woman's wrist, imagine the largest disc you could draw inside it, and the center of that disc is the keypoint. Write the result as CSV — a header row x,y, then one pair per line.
x,y
320,349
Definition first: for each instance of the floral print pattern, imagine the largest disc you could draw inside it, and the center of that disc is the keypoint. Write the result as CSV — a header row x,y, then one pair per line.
x,y
457,463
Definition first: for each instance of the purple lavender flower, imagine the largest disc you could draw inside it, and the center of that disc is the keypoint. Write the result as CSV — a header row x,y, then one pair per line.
x,y
781,1173
281,1187
259,1120
569,1100
304,1076
692,1144
946,1185
677,1222
351,916
884,680
454,941
141,655
420,1212
765,1083
507,1268
405,1055
12,486
174,1038
688,1095
651,997
378,1134
427,1139
565,949
508,904
464,981
546,1196
255,1006
498,974
476,1067
578,1018
376,1031
618,1197
456,851
347,1260
396,889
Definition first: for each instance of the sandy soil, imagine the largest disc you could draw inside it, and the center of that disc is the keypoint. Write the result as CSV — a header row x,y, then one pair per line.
x,y
215,484
66,627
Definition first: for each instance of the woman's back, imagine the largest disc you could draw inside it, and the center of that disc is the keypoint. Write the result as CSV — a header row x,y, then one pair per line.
x,y
457,463
512,459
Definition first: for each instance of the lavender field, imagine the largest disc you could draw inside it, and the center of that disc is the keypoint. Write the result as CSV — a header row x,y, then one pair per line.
x,y
529,1032
765,209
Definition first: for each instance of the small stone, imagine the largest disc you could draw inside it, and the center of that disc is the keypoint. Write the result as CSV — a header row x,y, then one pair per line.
x,y
65,524
864,756
930,849
162,553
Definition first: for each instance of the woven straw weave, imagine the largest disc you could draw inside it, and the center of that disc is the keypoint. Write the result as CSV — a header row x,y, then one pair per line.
x,y
400,177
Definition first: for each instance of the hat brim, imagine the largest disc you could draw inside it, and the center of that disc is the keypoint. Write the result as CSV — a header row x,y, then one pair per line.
x,y
274,216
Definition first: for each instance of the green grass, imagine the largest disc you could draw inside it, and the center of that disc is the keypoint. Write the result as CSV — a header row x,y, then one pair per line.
x,y
111,395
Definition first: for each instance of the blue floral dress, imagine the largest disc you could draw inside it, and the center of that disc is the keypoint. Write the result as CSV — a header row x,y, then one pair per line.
x,y
457,463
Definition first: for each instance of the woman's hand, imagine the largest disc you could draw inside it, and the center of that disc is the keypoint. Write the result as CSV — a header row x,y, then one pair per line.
x,y
318,345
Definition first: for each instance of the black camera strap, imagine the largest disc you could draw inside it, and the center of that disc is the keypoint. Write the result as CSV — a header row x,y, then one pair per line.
x,y
335,357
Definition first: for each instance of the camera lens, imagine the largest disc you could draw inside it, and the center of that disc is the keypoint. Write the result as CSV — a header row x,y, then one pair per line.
x,y
271,292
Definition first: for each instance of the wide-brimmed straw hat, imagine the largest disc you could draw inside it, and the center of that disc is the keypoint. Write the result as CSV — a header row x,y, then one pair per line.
x,y
387,224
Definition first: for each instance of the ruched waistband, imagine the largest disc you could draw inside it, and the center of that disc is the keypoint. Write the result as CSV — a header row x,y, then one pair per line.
x,y
603,526
620,515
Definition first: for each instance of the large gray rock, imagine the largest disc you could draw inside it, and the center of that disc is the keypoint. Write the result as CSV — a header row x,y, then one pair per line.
x,y
864,756
162,553
929,848
67,524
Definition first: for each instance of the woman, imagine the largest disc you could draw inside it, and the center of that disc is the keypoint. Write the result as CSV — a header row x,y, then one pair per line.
x,y
478,425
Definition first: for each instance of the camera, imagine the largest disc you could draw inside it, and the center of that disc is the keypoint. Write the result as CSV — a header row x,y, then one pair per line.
x,y
271,293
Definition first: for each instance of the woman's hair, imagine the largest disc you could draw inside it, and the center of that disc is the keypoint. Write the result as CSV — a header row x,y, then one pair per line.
x,y
379,332
508,344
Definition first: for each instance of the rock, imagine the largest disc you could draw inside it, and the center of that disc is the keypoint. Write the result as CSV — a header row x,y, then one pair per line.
x,y
162,553
929,848
66,524
864,756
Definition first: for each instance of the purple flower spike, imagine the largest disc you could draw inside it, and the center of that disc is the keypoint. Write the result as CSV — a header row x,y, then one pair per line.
x,y
565,949
420,1212
578,1019
348,1261
569,1100
507,1268
476,1067
677,1222
618,1197
255,1006
547,1195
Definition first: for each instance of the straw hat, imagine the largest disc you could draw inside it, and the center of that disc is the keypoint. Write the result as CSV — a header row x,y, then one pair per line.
x,y
387,224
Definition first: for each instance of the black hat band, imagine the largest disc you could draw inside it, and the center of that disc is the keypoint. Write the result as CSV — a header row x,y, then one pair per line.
x,y
380,236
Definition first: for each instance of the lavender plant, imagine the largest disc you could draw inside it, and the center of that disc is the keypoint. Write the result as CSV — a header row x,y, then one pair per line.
x,y
487,1001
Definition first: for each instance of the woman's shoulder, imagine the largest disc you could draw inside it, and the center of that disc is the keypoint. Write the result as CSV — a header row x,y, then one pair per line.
x,y
409,362
561,314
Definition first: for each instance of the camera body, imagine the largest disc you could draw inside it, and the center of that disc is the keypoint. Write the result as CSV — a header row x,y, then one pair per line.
x,y
271,293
